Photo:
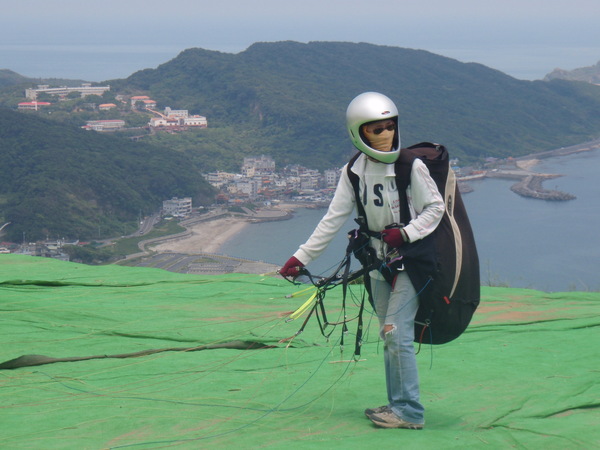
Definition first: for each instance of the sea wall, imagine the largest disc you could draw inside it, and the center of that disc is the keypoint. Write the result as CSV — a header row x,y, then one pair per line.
x,y
531,186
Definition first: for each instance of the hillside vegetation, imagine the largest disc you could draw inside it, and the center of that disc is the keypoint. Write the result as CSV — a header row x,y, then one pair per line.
x,y
10,78
288,100
283,99
59,180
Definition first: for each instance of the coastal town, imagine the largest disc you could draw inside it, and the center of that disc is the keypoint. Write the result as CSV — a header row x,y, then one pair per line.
x,y
170,120
260,181
260,191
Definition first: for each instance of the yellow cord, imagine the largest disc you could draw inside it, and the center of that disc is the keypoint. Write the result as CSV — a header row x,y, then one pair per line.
x,y
307,304
300,292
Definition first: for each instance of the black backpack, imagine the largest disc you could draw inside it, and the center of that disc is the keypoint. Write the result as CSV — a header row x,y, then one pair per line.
x,y
444,266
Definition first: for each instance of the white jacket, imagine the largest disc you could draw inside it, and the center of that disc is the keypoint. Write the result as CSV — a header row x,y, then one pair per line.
x,y
381,203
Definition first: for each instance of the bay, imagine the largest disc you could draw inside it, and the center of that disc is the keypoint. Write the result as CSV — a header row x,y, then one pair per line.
x,y
522,242
546,245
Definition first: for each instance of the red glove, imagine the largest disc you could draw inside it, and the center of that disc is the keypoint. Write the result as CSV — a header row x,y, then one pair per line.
x,y
291,268
394,237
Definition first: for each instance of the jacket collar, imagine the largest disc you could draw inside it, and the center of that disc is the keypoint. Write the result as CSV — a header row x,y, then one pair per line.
x,y
361,162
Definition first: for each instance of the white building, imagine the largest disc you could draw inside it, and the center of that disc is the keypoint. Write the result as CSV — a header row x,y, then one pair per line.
x,y
176,118
309,182
183,113
178,207
256,166
157,122
85,89
219,178
195,121
33,106
104,125
248,187
332,177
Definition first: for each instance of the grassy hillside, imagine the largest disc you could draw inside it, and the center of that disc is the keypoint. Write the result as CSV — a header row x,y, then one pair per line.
x,y
59,180
523,375
288,100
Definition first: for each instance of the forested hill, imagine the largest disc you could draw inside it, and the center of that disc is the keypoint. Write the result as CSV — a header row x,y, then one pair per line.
x,y
283,99
288,99
58,180
9,78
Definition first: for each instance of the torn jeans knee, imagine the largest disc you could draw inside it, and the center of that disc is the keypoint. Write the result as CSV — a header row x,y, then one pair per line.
x,y
387,329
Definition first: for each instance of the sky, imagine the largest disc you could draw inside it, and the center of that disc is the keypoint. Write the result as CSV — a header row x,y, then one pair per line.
x,y
111,39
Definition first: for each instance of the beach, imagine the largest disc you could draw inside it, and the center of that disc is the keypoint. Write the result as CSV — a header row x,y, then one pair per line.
x,y
209,235
204,237
198,249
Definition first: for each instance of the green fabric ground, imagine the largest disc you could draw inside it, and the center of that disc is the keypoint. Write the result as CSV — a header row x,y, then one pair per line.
x,y
524,375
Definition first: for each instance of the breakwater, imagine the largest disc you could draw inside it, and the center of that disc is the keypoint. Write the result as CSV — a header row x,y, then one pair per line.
x,y
530,183
531,186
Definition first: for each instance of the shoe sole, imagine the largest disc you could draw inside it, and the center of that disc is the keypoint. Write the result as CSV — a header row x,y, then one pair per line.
x,y
411,426
369,412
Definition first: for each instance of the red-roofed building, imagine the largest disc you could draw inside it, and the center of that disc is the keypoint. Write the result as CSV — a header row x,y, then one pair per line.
x,y
149,103
23,106
138,98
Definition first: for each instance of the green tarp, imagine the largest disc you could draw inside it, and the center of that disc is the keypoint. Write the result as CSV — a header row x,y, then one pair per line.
x,y
524,375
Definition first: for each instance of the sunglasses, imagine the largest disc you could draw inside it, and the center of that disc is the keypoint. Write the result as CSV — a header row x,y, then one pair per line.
x,y
390,127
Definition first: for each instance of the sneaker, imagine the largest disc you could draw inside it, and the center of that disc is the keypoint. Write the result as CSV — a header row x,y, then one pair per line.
x,y
370,411
387,419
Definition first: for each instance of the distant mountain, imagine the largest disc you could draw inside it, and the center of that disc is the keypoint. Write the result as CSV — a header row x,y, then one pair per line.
x,y
283,99
288,100
10,78
61,181
589,74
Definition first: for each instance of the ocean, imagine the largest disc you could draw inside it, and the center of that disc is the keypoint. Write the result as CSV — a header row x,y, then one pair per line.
x,y
522,242
101,62
84,61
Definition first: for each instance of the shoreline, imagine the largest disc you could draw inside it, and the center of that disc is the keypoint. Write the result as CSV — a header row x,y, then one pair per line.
x,y
530,183
209,235
203,237
197,250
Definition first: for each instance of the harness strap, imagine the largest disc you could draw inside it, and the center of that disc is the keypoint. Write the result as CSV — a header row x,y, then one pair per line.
x,y
359,328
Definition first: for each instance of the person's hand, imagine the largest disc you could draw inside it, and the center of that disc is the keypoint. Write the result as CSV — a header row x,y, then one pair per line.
x,y
394,237
291,268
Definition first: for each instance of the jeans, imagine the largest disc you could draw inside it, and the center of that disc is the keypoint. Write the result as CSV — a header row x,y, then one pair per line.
x,y
397,307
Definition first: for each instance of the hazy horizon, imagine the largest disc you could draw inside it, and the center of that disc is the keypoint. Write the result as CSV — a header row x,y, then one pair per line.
x,y
525,39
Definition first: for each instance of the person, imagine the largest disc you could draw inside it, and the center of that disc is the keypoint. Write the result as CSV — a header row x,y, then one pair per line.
x,y
372,122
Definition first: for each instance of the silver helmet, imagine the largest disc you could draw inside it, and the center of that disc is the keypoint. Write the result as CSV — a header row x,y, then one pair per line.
x,y
371,107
